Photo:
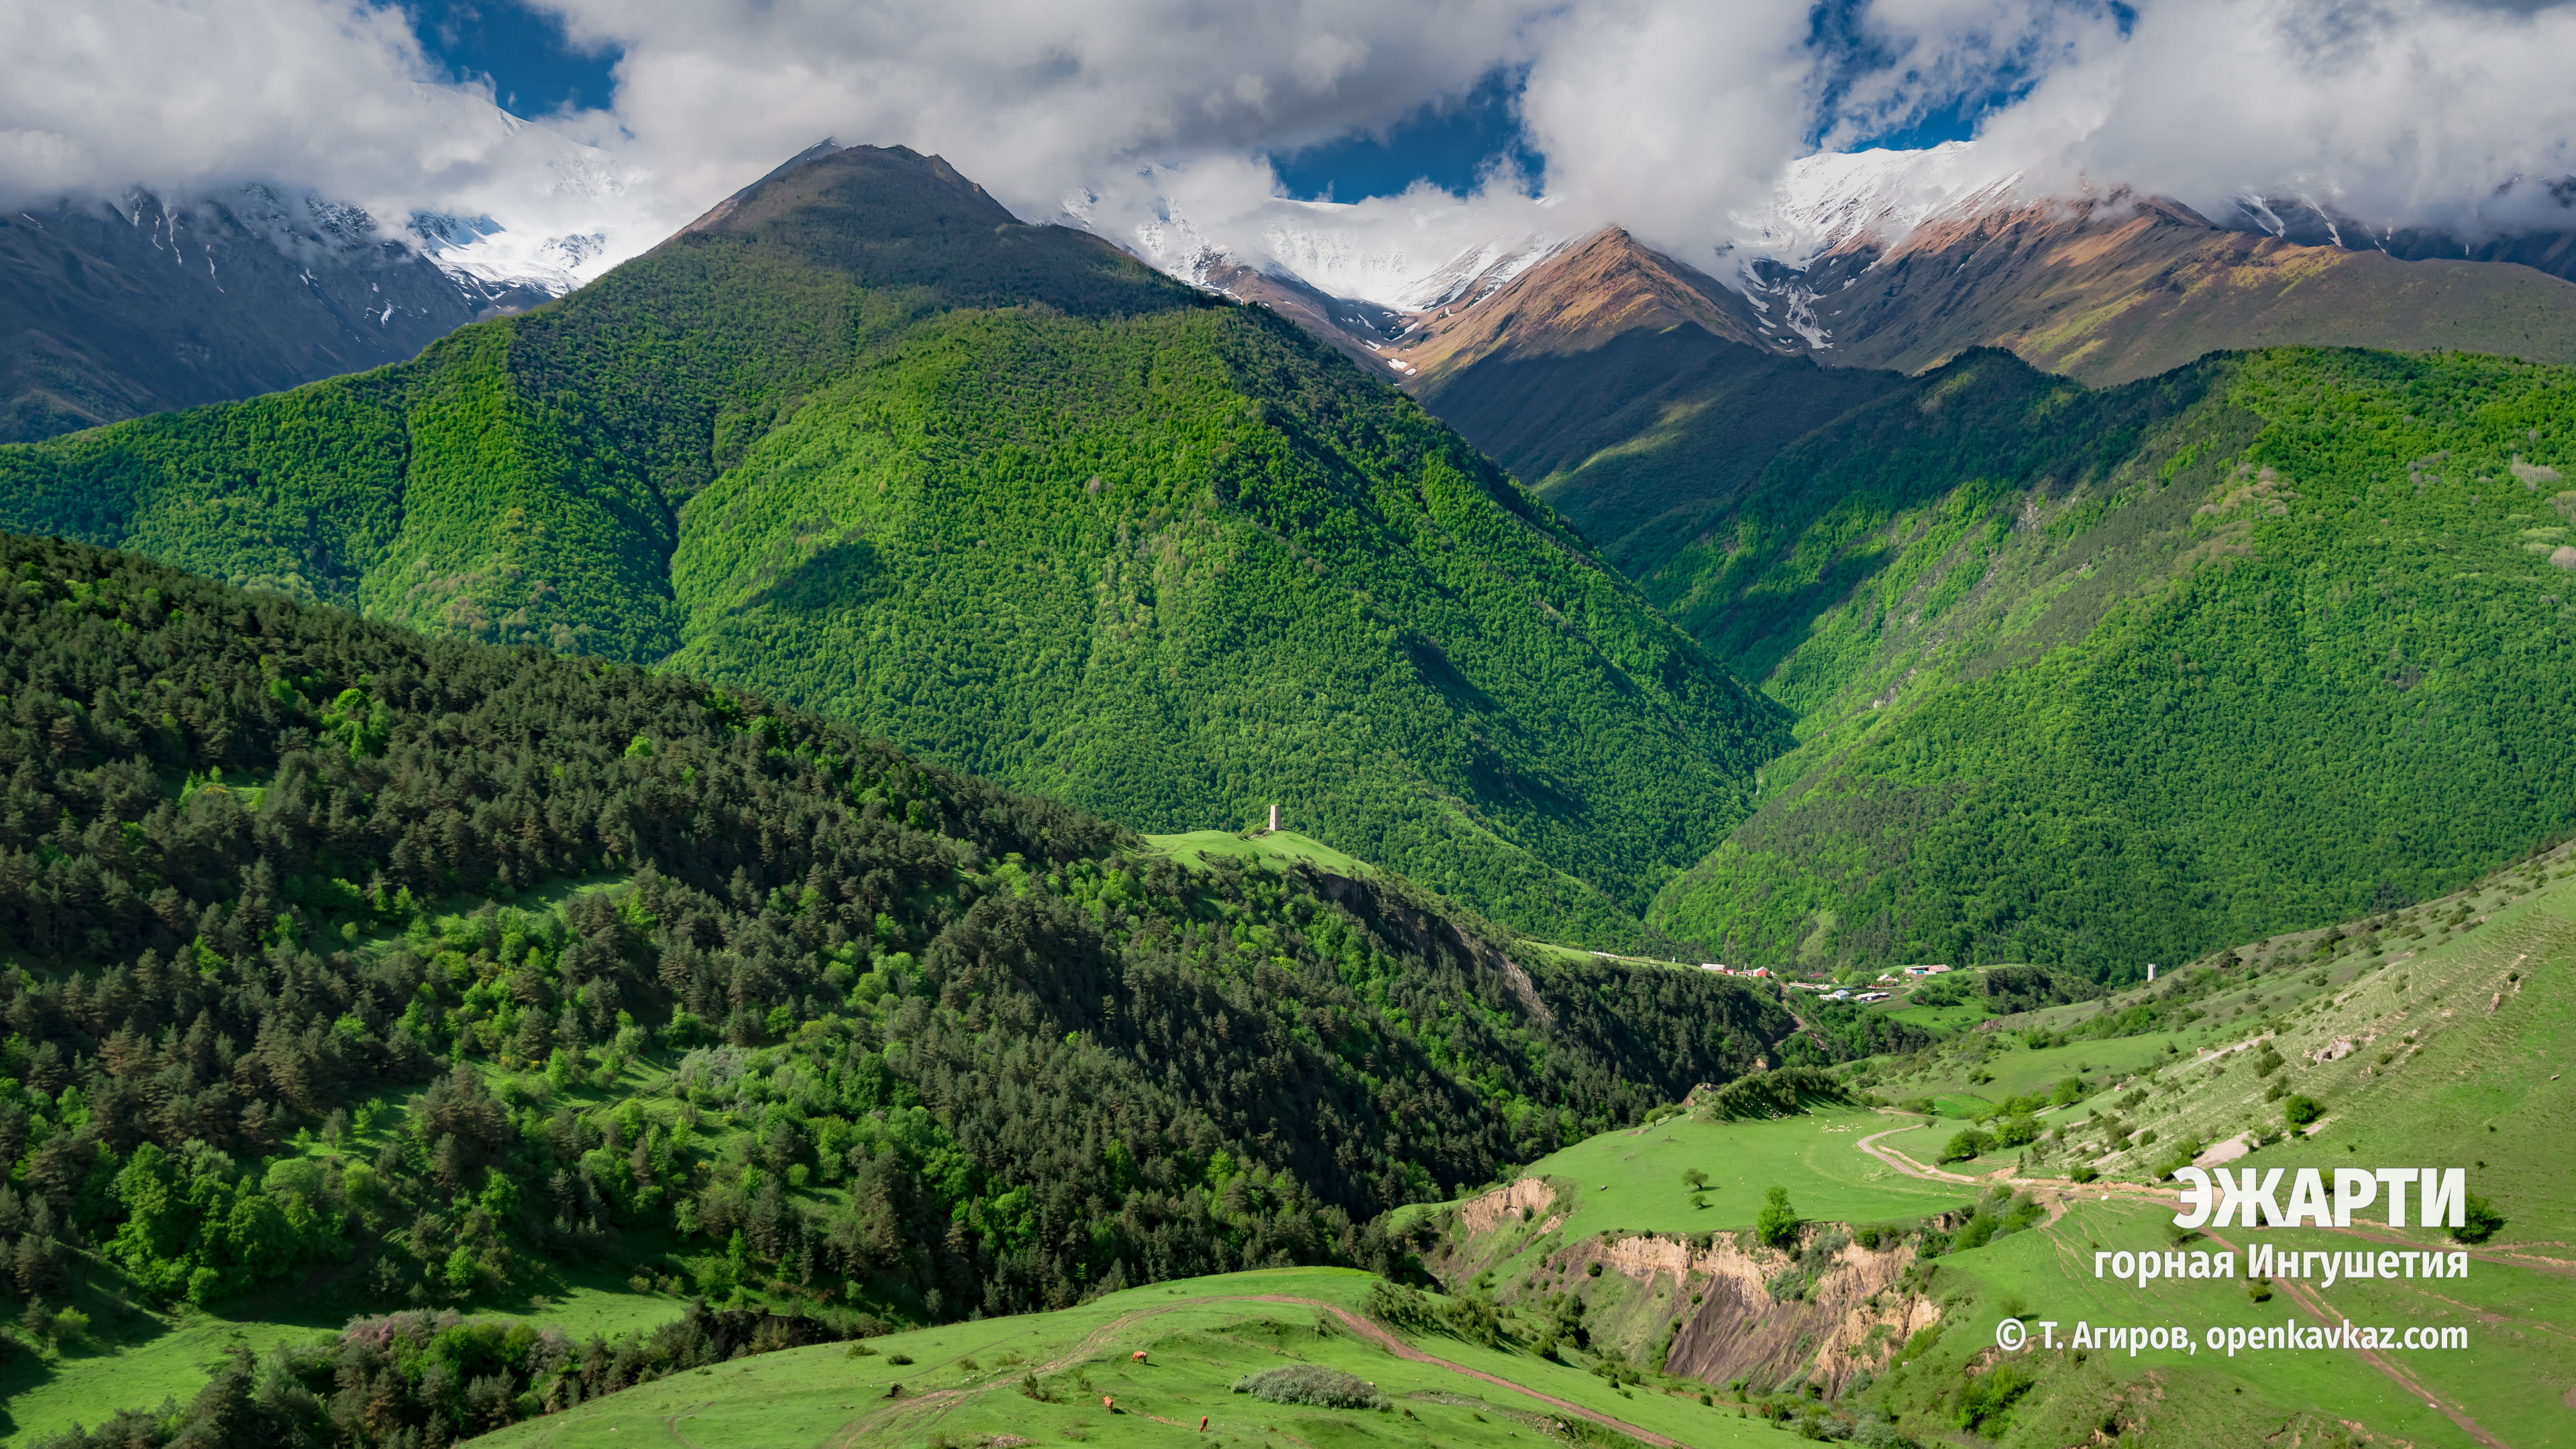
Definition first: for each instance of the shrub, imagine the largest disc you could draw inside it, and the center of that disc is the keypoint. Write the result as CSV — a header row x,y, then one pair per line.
x,y
2301,1111
1311,1385
1777,1226
1400,1307
1988,1398
1969,1143
2479,1222
1785,1092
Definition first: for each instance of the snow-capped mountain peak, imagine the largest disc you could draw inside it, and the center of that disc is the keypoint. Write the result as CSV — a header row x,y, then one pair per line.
x,y
1356,252
1831,199
1342,263
478,251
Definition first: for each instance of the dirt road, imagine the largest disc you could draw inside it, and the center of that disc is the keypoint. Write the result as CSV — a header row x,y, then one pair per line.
x,y
2305,1296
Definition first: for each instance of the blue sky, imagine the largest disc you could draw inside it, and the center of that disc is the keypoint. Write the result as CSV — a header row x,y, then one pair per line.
x,y
533,69
1444,144
534,72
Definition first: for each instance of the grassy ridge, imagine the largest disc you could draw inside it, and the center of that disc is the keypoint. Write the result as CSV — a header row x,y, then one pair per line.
x,y
969,1382
1181,604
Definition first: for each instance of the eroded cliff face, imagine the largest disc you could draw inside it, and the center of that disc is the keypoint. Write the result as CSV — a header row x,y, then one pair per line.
x,y
1716,1307
1853,1315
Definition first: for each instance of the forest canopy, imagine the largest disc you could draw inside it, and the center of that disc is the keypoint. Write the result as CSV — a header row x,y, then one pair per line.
x,y
434,962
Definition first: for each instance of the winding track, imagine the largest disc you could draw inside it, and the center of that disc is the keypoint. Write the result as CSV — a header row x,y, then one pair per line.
x,y
2300,1292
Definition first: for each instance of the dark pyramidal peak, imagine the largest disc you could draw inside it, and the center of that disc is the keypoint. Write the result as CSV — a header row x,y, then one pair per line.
x,y
113,311
860,440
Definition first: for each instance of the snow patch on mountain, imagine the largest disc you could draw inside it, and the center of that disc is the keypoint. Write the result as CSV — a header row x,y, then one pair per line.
x,y
1370,252
557,181
1409,278
1833,199
482,254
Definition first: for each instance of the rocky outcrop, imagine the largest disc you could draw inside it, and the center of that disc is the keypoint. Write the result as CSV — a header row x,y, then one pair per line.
x,y
1509,1202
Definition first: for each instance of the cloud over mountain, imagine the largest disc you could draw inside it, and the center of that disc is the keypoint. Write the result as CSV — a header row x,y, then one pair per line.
x,y
1156,119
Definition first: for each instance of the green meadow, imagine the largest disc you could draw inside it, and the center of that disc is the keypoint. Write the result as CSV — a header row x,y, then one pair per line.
x,y
1269,849
1073,1375
1631,1181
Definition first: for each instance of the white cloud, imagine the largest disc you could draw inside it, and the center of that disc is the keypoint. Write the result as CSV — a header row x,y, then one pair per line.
x,y
173,92
2395,110
1029,98
1157,114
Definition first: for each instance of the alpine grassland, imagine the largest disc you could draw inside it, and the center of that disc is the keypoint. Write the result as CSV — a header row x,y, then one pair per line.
x,y
2093,679
863,442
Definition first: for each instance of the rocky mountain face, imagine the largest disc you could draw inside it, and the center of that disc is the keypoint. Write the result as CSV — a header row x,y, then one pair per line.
x,y
110,311
1625,387
1904,259
114,307
2112,288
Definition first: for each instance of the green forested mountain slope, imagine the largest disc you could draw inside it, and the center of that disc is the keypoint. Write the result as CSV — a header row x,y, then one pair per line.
x,y
861,440
825,1021
2103,678
1636,438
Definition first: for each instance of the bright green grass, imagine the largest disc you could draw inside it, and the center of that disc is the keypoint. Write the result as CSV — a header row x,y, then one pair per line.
x,y
2014,1070
1630,1181
1270,849
1200,1334
1942,1018
2509,1377
2472,1090
137,1361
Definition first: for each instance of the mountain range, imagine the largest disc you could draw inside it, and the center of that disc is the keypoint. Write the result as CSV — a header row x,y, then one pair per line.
x,y
114,308
861,440
1902,259
645,800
